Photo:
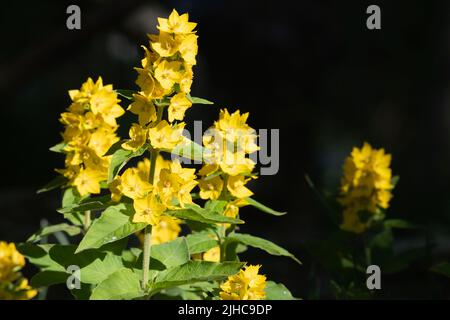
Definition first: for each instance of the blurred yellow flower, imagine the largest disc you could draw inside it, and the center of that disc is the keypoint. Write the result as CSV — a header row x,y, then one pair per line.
x,y
365,187
166,230
247,284
13,286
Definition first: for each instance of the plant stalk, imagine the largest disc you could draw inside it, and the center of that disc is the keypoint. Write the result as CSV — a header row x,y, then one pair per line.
x,y
87,220
148,229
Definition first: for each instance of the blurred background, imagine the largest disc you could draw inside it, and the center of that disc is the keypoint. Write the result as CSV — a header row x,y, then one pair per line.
x,y
309,68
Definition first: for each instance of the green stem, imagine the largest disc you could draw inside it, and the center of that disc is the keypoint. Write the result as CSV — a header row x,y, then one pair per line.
x,y
148,229
87,220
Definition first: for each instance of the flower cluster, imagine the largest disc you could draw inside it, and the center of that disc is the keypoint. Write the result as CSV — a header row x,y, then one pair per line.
x,y
247,284
365,187
227,168
170,189
13,286
90,130
164,78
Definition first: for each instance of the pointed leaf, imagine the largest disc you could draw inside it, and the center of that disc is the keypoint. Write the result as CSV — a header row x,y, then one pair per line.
x,y
122,284
69,229
115,223
195,271
262,244
55,183
263,208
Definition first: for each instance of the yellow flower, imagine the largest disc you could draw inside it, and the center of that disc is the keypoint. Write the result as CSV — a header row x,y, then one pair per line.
x,y
88,181
179,103
166,230
148,210
236,163
176,24
132,185
212,255
186,79
101,140
13,286
166,45
143,108
188,48
210,188
247,284
232,208
114,188
236,186
165,136
168,73
10,261
365,187
138,137
175,184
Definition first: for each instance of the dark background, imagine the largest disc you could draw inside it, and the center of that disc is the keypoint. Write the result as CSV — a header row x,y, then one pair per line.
x,y
310,68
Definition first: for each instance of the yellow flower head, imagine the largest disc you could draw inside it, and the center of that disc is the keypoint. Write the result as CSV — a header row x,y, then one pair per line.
x,y
166,136
179,103
88,181
365,186
132,185
13,286
247,284
175,185
11,261
168,73
138,137
212,255
236,186
144,108
148,210
210,188
166,230
176,24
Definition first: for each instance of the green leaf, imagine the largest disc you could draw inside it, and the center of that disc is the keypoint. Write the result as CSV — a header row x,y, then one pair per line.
x,y
100,269
277,291
263,208
195,271
262,244
55,183
96,203
115,223
116,146
120,159
197,100
69,229
400,224
71,197
58,148
122,284
172,253
188,149
200,242
442,268
196,213
127,94
48,278
216,205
